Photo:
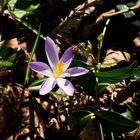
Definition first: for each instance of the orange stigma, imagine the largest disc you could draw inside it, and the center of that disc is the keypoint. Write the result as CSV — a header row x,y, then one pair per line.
x,y
58,69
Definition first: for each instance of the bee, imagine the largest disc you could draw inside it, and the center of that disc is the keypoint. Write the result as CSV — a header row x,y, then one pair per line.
x,y
85,52
78,49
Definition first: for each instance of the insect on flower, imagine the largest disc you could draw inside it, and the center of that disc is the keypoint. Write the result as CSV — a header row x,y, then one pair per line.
x,y
58,69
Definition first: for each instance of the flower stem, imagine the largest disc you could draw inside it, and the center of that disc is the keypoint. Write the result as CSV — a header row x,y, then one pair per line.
x,y
101,131
34,88
31,56
99,47
100,40
112,136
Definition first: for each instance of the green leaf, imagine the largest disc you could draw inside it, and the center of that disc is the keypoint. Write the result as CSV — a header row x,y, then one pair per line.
x,y
29,9
5,51
20,8
128,14
136,23
88,81
31,56
79,63
12,57
102,87
6,64
58,94
79,119
116,75
136,73
100,37
137,97
128,114
116,123
133,18
8,56
37,82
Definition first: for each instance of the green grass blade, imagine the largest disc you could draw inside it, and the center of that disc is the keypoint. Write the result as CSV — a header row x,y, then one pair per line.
x,y
31,56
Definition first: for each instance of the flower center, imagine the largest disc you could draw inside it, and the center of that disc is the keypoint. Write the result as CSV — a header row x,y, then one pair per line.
x,y
58,69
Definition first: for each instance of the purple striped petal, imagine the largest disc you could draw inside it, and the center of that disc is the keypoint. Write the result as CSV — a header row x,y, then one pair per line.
x,y
47,86
67,57
66,86
41,68
51,52
75,71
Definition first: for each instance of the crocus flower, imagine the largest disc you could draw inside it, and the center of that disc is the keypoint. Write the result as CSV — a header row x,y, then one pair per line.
x,y
58,69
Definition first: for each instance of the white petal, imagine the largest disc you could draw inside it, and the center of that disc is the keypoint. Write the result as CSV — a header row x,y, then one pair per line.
x,y
67,58
51,52
47,86
76,71
66,86
73,72
41,68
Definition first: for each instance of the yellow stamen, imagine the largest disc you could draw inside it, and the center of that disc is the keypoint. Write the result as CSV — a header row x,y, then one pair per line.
x,y
58,69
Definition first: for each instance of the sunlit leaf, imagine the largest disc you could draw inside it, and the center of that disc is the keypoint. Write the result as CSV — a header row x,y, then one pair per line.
x,y
128,114
24,11
128,14
6,64
115,122
20,8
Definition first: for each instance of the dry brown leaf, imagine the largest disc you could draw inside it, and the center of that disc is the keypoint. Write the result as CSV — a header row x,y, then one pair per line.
x,y
18,112
63,33
4,74
113,57
133,135
15,44
136,43
91,131
117,50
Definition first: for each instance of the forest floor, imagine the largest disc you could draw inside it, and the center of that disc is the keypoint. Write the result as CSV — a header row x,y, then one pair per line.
x,y
26,115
